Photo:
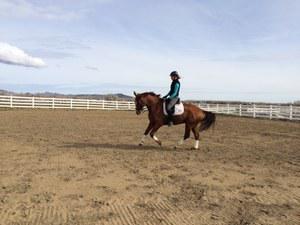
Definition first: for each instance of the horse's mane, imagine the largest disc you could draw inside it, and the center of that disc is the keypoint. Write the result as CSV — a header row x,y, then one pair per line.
x,y
151,93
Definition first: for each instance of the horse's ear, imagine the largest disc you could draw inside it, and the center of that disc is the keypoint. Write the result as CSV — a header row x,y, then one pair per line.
x,y
134,93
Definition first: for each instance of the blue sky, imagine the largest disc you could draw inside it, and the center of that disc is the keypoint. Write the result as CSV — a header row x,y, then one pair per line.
x,y
224,50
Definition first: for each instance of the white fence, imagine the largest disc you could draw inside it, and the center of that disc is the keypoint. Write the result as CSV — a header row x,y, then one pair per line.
x,y
63,103
270,111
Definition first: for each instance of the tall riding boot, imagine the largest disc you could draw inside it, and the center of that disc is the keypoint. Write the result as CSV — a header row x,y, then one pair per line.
x,y
170,121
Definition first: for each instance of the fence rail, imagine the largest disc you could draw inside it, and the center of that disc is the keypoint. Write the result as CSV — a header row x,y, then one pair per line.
x,y
270,111
63,103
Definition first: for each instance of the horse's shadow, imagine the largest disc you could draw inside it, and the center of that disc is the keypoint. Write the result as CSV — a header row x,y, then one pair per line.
x,y
127,147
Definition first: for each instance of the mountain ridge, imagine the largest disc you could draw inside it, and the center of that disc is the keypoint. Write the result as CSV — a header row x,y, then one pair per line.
x,y
117,96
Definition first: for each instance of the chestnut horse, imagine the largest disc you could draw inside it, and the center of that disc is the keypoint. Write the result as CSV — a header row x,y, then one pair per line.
x,y
195,119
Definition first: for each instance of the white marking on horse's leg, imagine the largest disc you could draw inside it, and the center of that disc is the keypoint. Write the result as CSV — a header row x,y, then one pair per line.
x,y
156,139
196,144
143,140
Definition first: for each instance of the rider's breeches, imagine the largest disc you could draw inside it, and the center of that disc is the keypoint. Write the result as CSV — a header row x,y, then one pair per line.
x,y
171,104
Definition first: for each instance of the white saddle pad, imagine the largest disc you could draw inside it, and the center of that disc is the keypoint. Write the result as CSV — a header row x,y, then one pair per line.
x,y
179,109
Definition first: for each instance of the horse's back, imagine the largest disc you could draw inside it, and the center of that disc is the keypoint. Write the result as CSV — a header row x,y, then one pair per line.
x,y
191,106
194,109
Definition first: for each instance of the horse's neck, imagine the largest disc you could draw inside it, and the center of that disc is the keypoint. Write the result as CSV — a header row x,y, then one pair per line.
x,y
154,105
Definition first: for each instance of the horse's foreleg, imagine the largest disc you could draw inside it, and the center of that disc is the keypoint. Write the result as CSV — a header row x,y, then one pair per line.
x,y
145,134
153,131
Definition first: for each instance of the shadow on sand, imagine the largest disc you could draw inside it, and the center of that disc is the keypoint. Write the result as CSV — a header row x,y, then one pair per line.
x,y
131,147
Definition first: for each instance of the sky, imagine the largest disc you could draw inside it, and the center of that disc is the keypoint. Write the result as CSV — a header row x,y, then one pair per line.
x,y
235,50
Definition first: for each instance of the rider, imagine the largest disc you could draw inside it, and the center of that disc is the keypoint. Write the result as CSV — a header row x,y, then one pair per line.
x,y
173,95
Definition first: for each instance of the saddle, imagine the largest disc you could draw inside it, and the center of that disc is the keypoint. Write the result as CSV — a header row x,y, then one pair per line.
x,y
178,109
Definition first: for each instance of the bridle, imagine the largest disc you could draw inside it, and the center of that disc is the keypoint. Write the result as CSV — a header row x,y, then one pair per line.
x,y
139,108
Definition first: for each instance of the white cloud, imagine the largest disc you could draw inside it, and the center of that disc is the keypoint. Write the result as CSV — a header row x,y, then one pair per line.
x,y
15,56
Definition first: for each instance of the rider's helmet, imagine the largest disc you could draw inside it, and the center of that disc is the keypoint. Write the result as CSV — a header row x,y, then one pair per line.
x,y
174,74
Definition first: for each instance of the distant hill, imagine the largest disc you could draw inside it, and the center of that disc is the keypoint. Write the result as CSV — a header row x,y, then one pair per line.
x,y
117,96
4,92
120,97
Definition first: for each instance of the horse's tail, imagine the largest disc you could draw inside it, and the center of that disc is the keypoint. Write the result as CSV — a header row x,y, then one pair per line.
x,y
209,119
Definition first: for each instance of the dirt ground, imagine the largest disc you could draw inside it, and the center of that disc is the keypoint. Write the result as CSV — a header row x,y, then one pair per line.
x,y
86,168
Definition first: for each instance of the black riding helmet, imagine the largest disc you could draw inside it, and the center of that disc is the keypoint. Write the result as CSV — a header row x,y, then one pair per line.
x,y
174,74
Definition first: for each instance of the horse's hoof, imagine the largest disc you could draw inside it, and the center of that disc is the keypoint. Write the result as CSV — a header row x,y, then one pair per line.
x,y
141,144
175,147
193,148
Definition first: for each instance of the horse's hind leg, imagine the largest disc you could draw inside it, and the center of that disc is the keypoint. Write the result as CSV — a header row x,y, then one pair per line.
x,y
187,134
197,136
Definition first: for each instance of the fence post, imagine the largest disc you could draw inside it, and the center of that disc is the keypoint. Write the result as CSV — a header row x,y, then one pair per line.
x,y
32,102
271,111
254,111
11,101
71,103
117,105
53,103
129,106
291,112
228,108
240,109
217,108
88,104
103,104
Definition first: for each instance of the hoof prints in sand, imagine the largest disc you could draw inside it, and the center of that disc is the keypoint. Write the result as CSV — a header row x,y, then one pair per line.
x,y
114,213
34,215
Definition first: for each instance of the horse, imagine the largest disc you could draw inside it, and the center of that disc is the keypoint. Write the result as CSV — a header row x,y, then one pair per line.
x,y
195,119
